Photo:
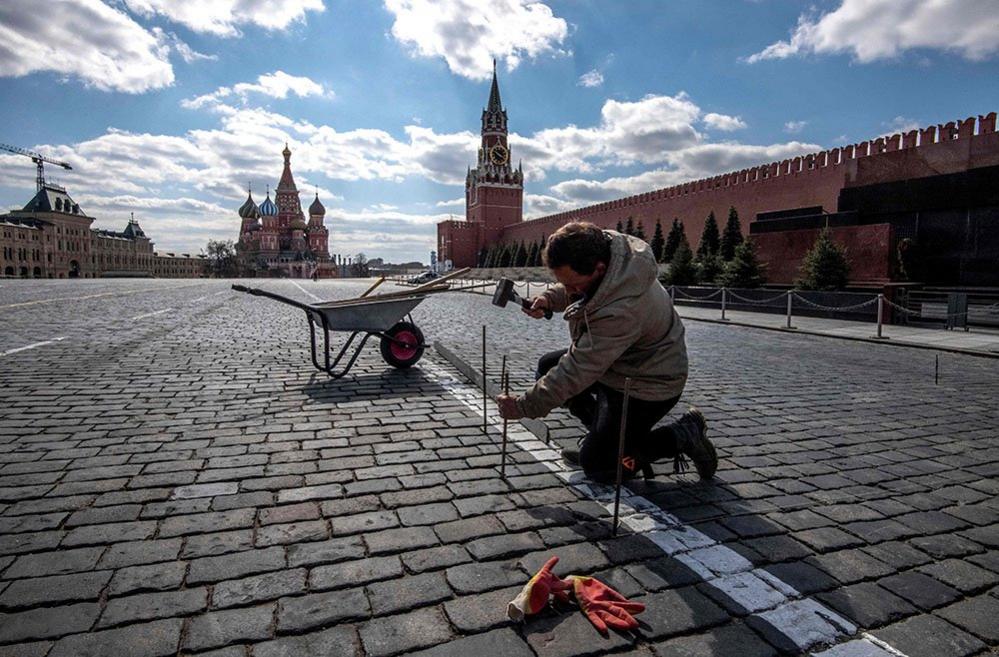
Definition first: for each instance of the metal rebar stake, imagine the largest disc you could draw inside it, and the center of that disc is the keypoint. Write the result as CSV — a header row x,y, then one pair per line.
x,y
505,382
485,384
620,453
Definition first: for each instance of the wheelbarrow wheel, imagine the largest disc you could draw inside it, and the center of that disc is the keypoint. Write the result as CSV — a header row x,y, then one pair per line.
x,y
402,345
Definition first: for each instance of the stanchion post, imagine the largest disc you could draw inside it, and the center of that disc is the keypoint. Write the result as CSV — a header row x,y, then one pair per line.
x,y
790,295
485,384
620,454
881,305
505,382
723,303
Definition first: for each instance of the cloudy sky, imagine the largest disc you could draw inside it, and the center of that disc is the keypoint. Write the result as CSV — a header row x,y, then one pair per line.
x,y
169,108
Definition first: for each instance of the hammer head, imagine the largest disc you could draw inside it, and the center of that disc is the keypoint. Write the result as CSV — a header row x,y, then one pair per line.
x,y
503,292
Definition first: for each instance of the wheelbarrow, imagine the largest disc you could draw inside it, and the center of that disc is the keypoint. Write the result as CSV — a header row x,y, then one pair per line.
x,y
401,341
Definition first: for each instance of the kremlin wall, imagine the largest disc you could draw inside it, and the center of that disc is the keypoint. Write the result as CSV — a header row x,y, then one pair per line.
x,y
784,205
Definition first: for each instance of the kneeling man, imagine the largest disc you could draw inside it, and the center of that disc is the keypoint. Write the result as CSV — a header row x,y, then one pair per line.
x,y
622,325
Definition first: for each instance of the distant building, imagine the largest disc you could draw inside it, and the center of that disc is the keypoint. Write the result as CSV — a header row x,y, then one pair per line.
x,y
275,240
51,237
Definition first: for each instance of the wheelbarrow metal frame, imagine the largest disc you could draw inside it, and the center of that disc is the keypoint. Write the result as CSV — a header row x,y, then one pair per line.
x,y
333,317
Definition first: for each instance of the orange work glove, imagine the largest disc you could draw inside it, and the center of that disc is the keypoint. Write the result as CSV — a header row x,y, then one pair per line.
x,y
534,596
603,605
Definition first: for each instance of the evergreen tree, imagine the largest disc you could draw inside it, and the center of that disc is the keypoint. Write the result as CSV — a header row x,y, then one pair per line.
x,y
744,269
538,248
658,242
673,239
629,227
825,266
709,237
503,257
681,269
481,261
709,268
732,237
640,232
521,255
620,227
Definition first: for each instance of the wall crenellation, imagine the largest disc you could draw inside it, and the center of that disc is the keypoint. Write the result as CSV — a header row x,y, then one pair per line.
x,y
834,157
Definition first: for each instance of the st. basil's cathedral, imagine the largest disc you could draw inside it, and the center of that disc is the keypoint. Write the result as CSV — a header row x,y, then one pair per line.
x,y
275,240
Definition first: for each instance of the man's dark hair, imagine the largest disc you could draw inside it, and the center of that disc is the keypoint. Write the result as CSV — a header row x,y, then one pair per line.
x,y
579,244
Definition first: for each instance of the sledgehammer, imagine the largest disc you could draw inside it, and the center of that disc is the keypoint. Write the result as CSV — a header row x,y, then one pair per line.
x,y
505,293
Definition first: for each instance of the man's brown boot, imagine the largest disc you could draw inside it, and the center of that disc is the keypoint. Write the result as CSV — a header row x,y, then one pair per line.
x,y
691,432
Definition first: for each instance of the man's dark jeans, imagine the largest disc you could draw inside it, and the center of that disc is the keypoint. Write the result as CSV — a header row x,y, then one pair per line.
x,y
599,409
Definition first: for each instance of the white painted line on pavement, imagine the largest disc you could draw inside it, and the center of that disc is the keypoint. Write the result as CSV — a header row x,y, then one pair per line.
x,y
803,621
314,297
34,345
200,298
158,312
94,296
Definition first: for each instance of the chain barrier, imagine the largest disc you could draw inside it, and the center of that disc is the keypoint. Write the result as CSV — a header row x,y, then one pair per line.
x,y
696,298
834,308
756,301
985,309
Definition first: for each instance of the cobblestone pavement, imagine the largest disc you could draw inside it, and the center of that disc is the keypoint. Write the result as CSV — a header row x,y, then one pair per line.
x,y
176,479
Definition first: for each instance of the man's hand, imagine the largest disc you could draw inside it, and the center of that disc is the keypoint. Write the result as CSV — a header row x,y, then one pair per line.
x,y
538,307
508,407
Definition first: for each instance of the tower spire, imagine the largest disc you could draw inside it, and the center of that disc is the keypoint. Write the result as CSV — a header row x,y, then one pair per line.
x,y
494,95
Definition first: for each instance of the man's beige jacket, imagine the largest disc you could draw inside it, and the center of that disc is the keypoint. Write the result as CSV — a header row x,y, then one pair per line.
x,y
629,328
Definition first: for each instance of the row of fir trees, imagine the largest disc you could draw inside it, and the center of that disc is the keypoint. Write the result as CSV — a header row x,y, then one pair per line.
x,y
723,257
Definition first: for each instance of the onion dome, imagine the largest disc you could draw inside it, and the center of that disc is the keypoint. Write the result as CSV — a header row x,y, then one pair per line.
x,y
267,208
317,207
297,224
249,209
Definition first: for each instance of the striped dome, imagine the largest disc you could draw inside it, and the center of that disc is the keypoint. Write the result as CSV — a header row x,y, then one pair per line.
x,y
267,208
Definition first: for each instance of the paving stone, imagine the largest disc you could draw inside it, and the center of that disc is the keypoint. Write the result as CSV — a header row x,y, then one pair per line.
x,y
478,577
354,572
242,501
569,634
47,622
435,558
734,640
945,545
120,555
849,566
105,514
507,545
962,575
321,609
975,615
149,606
929,636
867,604
363,522
402,539
233,566
293,532
155,577
156,639
827,539
484,611
206,490
34,649
461,531
200,523
289,513
54,563
921,590
407,593
216,543
987,536
678,611
498,642
340,641
60,588
625,549
322,552
796,626
259,588
898,555
404,632
427,514
303,493
219,628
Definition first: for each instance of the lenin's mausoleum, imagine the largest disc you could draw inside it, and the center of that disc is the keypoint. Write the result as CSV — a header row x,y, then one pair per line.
x,y
935,190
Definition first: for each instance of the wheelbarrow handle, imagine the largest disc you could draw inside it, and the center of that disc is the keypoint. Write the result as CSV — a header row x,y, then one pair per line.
x,y
277,297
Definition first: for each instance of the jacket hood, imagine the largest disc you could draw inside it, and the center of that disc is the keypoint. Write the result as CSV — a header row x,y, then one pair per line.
x,y
630,272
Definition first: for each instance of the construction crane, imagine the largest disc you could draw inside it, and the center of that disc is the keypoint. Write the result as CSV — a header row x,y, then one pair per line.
x,y
38,159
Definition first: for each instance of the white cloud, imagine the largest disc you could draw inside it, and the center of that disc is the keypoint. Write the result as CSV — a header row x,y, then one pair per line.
x,y
592,78
451,203
881,29
85,39
794,127
902,124
275,85
468,34
723,122
187,53
223,17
